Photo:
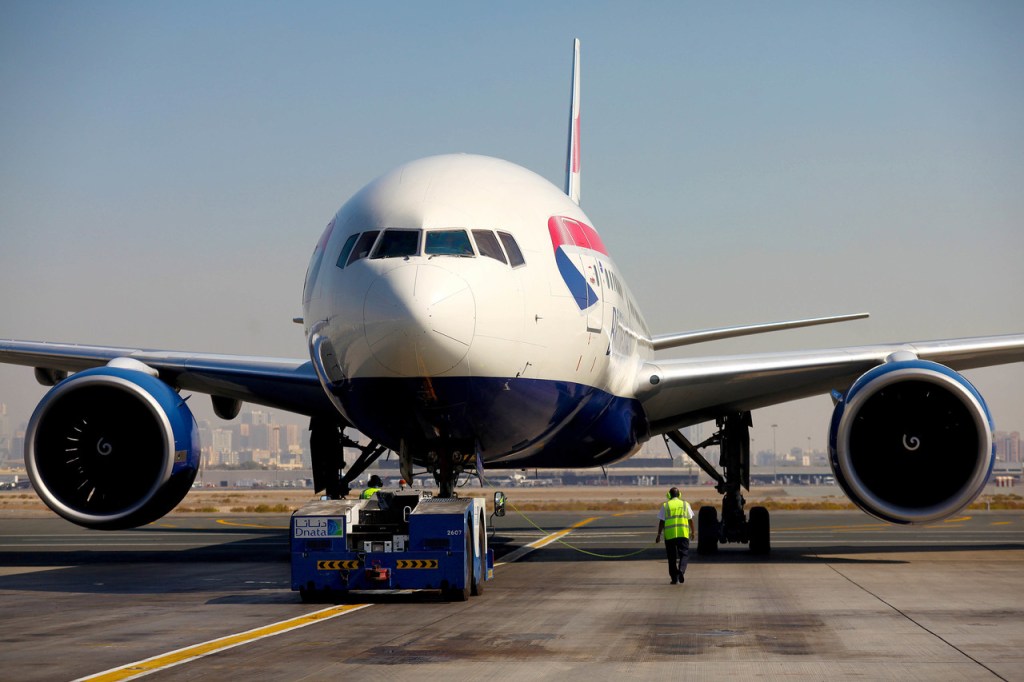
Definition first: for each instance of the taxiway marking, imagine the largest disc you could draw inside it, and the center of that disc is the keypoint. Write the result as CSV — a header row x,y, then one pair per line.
x,y
543,542
225,522
191,653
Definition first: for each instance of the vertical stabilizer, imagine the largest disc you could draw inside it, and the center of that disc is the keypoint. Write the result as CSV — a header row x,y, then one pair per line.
x,y
572,160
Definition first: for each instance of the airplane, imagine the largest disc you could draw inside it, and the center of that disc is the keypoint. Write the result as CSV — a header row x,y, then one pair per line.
x,y
463,312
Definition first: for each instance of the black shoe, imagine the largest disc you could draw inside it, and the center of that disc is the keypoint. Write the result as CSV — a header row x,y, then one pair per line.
x,y
682,579
674,581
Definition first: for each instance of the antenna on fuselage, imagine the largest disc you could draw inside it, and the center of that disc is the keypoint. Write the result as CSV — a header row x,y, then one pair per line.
x,y
572,159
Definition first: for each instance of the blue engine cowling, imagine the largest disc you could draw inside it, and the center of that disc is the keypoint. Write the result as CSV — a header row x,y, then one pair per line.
x,y
911,442
112,448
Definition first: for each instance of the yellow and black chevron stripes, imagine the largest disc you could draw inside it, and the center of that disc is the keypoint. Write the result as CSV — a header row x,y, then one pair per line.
x,y
353,563
416,563
336,565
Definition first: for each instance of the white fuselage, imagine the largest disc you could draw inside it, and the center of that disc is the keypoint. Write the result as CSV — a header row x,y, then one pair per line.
x,y
431,310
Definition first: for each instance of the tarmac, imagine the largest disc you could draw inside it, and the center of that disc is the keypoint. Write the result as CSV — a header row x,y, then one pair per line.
x,y
208,597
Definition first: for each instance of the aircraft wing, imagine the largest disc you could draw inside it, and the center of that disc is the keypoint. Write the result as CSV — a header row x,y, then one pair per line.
x,y
680,392
283,383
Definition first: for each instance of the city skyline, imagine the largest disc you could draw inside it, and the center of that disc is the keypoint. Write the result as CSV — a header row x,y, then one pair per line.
x,y
250,438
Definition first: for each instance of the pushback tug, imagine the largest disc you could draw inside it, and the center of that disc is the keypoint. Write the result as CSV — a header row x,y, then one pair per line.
x,y
396,540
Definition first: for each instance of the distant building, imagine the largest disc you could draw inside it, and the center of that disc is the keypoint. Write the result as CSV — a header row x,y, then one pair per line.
x,y
255,437
291,437
1007,446
209,457
256,455
694,433
6,452
261,436
220,440
241,436
256,417
17,445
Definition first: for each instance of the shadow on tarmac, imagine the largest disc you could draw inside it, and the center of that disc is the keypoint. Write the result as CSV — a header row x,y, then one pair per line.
x,y
268,549
738,554
249,562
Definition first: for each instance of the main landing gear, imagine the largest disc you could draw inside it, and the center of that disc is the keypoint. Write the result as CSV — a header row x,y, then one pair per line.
x,y
733,439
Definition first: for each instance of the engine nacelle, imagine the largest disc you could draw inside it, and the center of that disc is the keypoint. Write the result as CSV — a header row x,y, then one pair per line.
x,y
911,442
112,448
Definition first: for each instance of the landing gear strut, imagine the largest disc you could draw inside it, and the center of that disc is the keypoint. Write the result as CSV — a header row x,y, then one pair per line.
x,y
447,465
327,443
733,439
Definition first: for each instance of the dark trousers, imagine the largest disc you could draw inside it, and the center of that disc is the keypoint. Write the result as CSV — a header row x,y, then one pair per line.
x,y
678,553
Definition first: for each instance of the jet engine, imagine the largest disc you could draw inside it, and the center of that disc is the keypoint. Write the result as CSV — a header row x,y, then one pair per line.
x,y
112,448
911,442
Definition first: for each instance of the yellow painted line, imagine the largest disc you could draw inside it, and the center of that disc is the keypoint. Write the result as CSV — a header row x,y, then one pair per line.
x,y
959,519
191,653
518,554
1001,523
545,541
225,522
864,526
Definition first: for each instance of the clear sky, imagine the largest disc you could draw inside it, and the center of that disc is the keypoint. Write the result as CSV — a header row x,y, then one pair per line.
x,y
166,168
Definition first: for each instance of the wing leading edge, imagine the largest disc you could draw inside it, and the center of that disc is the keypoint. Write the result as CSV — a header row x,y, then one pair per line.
x,y
663,341
283,383
679,392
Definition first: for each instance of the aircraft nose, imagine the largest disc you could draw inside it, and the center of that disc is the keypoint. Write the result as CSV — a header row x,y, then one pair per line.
x,y
419,319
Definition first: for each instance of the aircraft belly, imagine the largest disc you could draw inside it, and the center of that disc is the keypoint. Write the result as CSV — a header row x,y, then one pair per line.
x,y
509,421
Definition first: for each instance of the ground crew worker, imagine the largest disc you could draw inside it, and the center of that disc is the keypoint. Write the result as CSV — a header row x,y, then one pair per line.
x,y
375,485
675,520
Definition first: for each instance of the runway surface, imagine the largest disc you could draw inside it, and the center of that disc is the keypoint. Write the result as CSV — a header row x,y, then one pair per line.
x,y
841,596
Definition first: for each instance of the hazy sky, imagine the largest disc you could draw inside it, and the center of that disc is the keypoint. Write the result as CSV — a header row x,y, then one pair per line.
x,y
166,168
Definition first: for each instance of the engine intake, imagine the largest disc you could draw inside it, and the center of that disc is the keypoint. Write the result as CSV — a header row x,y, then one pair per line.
x,y
911,442
112,448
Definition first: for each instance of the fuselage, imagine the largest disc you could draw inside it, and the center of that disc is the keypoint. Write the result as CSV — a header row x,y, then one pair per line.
x,y
464,303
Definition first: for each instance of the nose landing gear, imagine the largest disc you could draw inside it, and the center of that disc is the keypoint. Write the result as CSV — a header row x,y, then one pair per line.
x,y
327,443
447,465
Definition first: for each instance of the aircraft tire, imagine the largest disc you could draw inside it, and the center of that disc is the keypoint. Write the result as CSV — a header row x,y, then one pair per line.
x,y
760,531
707,530
312,596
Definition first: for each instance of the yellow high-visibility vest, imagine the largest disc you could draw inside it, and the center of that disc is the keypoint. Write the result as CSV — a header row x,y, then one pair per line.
x,y
677,519
368,493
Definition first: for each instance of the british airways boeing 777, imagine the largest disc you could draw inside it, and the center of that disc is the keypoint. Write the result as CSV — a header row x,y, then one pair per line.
x,y
464,313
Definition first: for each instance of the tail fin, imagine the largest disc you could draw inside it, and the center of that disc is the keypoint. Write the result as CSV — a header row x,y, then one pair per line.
x,y
572,160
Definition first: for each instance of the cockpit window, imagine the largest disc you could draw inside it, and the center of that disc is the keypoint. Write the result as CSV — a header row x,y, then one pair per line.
x,y
347,250
447,243
515,256
488,245
363,246
318,259
398,244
